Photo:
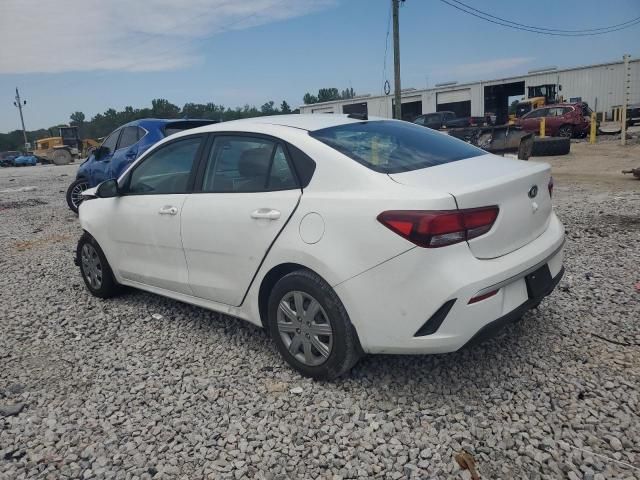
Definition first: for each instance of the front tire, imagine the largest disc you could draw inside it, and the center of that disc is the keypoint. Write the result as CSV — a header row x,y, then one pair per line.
x,y
96,272
61,157
311,327
74,194
565,131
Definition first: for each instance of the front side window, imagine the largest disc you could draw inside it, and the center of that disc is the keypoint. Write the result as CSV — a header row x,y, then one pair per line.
x,y
393,147
540,112
111,141
246,164
166,170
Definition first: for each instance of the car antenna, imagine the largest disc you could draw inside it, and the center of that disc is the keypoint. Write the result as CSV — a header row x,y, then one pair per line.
x,y
358,116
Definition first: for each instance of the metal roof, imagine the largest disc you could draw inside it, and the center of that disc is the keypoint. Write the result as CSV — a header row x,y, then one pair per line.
x,y
458,86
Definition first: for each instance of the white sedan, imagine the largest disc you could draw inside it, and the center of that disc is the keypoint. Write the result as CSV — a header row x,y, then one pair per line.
x,y
339,234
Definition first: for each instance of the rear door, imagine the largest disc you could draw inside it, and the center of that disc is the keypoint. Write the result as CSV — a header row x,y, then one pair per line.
x,y
126,151
246,191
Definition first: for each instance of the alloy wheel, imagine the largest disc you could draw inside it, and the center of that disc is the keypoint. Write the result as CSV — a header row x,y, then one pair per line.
x,y
91,266
76,193
305,328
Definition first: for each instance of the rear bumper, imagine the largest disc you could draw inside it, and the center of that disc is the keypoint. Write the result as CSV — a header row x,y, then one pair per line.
x,y
389,304
491,328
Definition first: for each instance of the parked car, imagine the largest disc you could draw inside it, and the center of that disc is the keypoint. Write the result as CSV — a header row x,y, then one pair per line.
x,y
441,120
341,236
6,158
561,120
633,114
119,149
25,160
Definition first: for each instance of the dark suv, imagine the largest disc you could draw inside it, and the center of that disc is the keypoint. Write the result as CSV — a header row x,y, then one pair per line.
x,y
561,120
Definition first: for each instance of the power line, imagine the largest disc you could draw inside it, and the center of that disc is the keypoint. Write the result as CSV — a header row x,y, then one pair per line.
x,y
581,30
538,30
386,46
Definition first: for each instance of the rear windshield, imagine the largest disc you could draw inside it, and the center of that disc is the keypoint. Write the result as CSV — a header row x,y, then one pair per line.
x,y
175,127
392,147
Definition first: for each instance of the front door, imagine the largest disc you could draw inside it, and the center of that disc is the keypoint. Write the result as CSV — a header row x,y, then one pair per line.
x,y
531,122
101,167
245,193
146,230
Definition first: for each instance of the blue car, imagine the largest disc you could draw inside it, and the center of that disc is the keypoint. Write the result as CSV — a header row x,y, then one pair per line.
x,y
25,160
120,149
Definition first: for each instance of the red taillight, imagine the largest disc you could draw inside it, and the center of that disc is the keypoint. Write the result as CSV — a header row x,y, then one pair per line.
x,y
432,229
550,187
484,296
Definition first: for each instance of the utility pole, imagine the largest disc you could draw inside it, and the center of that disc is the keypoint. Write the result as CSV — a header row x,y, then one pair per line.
x,y
397,110
19,103
626,91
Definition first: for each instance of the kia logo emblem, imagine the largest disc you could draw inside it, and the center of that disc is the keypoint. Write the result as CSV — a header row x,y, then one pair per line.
x,y
533,191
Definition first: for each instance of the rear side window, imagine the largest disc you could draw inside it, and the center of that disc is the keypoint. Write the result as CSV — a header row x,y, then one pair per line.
x,y
181,125
393,147
247,164
129,137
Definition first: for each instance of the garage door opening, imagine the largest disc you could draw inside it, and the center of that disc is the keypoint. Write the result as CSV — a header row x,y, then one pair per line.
x,y
356,108
409,111
456,101
496,99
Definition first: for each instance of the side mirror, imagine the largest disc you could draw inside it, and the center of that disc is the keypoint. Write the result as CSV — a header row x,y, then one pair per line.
x,y
100,152
108,189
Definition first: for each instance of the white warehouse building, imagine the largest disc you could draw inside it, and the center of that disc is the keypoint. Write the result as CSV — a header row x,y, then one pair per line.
x,y
602,86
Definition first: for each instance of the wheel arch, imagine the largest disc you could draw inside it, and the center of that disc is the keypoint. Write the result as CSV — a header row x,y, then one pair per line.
x,y
271,278
269,281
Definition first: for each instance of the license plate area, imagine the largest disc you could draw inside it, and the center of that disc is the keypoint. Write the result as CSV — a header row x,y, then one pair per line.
x,y
539,282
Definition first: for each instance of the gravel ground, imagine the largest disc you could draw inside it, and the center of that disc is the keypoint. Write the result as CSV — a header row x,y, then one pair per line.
x,y
141,386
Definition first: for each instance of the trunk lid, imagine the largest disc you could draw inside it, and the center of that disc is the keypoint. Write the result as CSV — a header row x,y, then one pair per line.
x,y
492,180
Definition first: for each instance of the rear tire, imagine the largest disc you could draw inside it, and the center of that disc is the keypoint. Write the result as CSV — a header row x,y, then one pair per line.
x,y
73,194
311,327
550,146
61,157
94,268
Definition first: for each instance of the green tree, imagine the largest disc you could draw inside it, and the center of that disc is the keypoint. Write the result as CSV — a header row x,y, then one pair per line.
x,y
348,93
284,107
268,108
161,108
328,94
308,99
77,118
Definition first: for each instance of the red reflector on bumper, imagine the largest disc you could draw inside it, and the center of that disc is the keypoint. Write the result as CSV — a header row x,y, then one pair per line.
x,y
484,296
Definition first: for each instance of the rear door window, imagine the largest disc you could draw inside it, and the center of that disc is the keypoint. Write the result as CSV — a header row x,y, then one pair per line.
x,y
247,164
129,137
392,147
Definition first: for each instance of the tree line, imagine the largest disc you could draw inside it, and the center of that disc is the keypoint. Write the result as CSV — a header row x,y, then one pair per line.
x,y
104,123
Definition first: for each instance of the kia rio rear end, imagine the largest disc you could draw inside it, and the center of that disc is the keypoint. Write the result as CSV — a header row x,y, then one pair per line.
x,y
341,236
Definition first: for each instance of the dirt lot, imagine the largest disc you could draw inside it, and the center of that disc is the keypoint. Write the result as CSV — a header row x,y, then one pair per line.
x,y
142,387
598,165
